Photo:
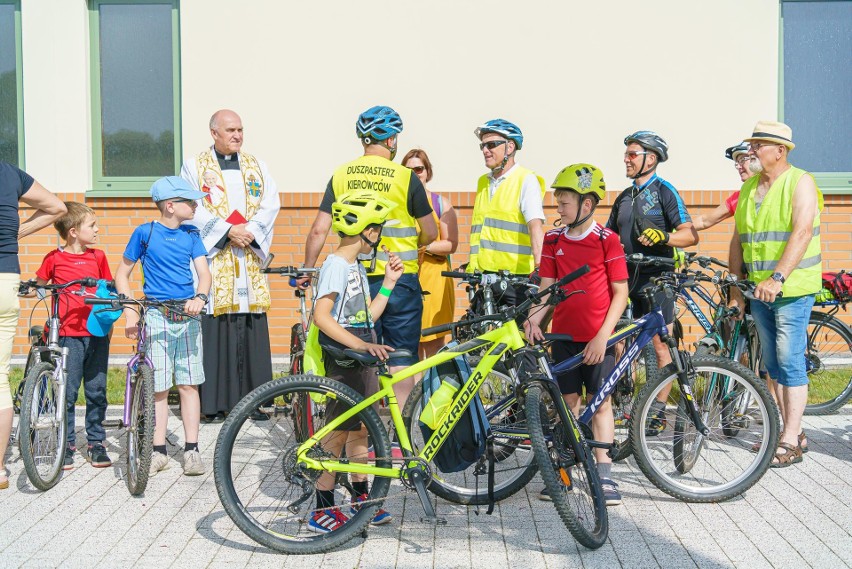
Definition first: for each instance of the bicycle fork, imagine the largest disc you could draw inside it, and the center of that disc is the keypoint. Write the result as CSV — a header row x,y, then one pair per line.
x,y
685,375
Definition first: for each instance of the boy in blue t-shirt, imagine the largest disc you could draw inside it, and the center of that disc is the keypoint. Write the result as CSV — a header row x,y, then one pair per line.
x,y
168,251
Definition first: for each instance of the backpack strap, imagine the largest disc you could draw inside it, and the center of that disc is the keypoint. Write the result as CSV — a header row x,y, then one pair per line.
x,y
144,246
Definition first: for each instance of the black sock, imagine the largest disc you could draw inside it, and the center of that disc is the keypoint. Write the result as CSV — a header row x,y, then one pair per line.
x,y
161,449
190,446
361,488
325,499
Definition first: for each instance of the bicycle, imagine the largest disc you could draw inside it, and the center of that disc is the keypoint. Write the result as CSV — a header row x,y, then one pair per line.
x,y
42,426
828,359
698,403
829,356
265,475
138,413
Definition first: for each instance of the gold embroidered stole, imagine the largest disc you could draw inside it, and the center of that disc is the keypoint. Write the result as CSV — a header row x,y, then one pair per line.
x,y
225,265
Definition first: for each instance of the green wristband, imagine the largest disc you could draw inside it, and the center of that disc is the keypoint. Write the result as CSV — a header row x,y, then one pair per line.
x,y
385,291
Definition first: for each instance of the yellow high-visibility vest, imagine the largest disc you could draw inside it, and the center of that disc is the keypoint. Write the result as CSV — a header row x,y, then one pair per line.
x,y
499,237
764,234
390,181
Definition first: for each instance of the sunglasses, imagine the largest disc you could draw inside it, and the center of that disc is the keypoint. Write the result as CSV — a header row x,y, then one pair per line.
x,y
418,169
633,154
491,144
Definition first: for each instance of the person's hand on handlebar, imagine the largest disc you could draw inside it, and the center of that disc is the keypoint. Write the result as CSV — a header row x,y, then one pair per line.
x,y
194,306
652,236
767,290
736,300
533,332
378,350
131,324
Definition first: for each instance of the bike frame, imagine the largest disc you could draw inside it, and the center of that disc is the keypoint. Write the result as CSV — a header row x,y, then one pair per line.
x,y
494,344
141,355
650,325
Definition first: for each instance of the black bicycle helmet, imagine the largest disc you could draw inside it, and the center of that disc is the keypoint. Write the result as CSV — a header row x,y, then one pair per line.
x,y
650,140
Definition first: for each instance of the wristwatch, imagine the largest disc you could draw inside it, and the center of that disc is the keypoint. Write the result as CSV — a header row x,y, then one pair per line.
x,y
776,276
202,296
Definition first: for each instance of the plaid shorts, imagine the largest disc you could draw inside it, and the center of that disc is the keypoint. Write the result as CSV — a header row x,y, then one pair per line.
x,y
175,350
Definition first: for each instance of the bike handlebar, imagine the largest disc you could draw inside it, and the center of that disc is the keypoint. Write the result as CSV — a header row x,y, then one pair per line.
x,y
640,259
173,305
513,312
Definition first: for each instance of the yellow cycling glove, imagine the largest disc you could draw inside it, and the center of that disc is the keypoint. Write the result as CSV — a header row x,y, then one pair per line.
x,y
655,235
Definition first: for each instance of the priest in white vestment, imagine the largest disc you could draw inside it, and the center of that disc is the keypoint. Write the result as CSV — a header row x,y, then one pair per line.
x,y
236,221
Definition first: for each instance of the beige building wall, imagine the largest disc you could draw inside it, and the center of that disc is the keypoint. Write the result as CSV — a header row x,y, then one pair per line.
x,y
575,76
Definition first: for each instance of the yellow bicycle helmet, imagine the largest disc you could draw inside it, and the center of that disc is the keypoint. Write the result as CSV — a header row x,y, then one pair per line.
x,y
581,178
354,211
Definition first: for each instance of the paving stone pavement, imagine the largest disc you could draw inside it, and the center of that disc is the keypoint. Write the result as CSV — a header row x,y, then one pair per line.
x,y
794,517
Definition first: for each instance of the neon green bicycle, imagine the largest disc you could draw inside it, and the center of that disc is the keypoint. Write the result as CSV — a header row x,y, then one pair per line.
x,y
267,473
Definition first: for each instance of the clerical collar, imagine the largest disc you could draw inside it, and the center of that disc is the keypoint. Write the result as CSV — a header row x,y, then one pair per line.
x,y
229,162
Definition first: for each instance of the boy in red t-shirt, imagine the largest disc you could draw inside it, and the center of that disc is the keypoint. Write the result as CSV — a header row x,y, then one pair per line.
x,y
88,355
589,318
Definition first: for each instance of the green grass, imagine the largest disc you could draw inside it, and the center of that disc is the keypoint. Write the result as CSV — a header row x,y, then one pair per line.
x,y
115,384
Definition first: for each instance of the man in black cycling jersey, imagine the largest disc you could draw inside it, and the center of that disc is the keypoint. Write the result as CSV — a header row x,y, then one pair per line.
x,y
651,219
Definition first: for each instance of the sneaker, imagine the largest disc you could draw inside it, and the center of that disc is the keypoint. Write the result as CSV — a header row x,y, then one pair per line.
x,y
98,456
68,462
656,420
612,496
326,521
192,463
381,518
159,462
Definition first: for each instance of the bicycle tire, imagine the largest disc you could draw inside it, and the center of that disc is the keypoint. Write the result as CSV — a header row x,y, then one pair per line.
x,y
829,364
515,462
140,431
43,427
624,397
562,454
739,468
257,473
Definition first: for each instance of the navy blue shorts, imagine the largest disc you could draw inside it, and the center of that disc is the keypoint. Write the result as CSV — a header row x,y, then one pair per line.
x,y
400,324
590,377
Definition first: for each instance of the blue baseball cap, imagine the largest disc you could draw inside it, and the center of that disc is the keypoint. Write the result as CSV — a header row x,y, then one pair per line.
x,y
172,187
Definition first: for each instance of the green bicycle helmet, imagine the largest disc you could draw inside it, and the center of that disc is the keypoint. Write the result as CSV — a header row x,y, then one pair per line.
x,y
581,178
354,211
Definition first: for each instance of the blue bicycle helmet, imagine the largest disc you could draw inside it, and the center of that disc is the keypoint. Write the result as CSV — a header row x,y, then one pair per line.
x,y
504,128
650,140
378,123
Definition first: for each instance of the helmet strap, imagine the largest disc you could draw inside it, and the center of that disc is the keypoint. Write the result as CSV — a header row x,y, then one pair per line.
x,y
374,245
506,157
577,221
642,171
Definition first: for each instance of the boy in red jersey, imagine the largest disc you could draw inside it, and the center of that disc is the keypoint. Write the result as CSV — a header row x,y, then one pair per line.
x,y
88,355
589,318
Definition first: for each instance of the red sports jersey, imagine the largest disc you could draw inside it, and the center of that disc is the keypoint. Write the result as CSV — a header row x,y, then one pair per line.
x,y
60,267
582,315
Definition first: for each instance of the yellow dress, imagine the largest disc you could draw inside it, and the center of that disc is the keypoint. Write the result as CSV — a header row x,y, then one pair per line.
x,y
439,304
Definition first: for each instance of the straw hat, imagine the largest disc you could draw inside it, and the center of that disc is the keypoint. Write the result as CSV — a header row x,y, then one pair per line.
x,y
771,131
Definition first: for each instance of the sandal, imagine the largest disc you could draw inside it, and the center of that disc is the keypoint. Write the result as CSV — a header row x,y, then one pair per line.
x,y
803,438
791,455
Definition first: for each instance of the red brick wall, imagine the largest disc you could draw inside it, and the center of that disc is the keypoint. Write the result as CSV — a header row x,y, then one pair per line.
x,y
118,216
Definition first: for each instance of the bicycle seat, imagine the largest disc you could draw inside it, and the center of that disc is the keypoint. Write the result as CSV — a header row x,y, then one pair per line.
x,y
367,359
558,337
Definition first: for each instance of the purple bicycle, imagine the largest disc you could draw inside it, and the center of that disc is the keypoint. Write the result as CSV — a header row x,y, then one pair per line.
x,y
138,417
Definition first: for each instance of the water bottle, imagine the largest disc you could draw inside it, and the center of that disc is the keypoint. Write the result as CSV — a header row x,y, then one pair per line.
x,y
436,407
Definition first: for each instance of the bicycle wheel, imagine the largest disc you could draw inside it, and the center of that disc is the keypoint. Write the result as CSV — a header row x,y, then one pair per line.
x,y
624,396
567,469
514,460
263,487
43,426
829,364
140,431
697,468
